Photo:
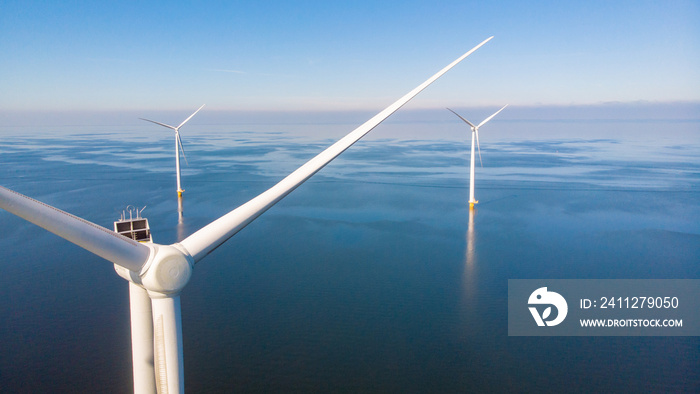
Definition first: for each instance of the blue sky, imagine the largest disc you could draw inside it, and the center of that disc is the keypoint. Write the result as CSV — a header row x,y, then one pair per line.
x,y
327,55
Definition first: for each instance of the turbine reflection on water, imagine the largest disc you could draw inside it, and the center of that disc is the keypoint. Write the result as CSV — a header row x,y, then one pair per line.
x,y
470,262
180,220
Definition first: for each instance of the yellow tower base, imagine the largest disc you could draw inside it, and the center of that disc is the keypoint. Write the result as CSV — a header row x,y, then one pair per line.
x,y
471,204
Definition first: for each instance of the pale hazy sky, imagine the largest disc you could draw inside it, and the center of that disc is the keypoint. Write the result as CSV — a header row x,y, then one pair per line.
x,y
317,55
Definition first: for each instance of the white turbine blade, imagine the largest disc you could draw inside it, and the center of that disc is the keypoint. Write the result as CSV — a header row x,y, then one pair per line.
x,y
216,233
182,149
107,244
142,340
195,113
465,121
158,123
167,344
491,117
476,130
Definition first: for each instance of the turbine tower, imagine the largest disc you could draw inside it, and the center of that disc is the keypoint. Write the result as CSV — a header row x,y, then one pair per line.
x,y
475,134
158,273
178,146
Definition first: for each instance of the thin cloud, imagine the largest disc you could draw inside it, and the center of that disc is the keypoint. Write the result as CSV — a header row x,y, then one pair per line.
x,y
108,60
247,73
227,71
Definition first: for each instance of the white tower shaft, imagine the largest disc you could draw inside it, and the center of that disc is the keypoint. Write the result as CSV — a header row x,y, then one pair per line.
x,y
177,162
167,344
142,340
472,201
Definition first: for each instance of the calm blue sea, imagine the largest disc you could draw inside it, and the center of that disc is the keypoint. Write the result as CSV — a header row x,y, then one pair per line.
x,y
374,276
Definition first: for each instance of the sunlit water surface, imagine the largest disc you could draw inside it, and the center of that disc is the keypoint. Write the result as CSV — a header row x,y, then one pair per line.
x,y
374,276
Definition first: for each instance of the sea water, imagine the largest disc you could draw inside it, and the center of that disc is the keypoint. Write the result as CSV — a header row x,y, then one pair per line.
x,y
374,276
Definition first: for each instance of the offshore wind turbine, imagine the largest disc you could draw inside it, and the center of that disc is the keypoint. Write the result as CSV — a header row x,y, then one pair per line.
x,y
475,133
178,146
158,273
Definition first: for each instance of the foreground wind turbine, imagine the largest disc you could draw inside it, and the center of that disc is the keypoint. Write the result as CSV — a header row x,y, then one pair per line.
x,y
178,146
475,133
158,273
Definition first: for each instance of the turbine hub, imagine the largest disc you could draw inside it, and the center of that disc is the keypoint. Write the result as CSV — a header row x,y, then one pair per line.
x,y
168,272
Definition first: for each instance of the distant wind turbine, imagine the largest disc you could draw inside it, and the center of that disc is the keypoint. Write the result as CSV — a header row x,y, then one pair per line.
x,y
475,133
158,273
178,146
